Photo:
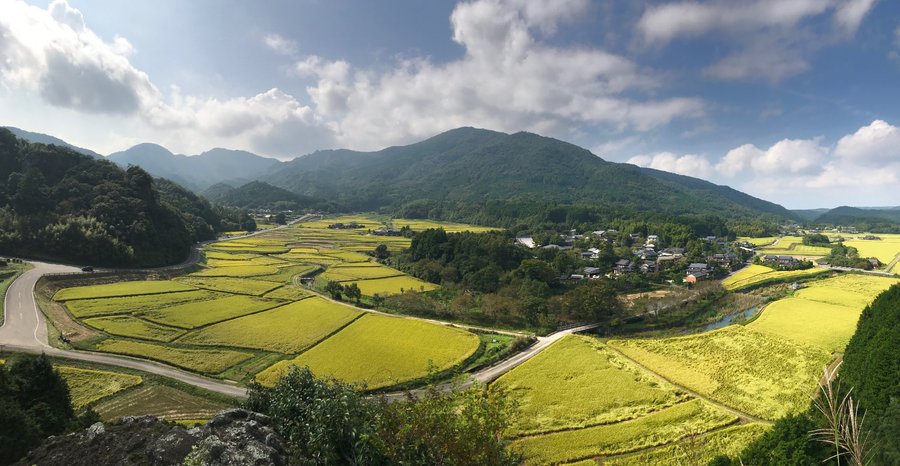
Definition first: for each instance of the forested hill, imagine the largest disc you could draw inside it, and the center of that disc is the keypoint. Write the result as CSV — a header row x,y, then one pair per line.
x,y
876,220
467,166
58,204
259,195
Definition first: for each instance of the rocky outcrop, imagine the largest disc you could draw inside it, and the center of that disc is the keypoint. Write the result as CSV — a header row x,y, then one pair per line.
x,y
233,437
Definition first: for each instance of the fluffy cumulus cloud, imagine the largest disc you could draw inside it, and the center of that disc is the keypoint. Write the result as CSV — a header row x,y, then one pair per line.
x,y
864,162
687,164
768,39
508,79
280,44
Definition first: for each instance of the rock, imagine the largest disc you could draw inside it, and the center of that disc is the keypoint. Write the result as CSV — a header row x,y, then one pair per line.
x,y
232,437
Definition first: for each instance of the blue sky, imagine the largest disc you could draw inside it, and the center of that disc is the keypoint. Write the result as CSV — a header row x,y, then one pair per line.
x,y
794,101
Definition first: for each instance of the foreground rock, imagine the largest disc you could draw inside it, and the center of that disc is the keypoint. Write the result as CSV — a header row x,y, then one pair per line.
x,y
233,437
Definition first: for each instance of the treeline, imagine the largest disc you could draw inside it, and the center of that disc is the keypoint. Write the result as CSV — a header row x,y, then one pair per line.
x,y
329,422
58,204
34,404
486,278
869,375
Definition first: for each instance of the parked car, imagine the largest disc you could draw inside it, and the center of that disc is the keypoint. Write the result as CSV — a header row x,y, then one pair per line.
x,y
87,268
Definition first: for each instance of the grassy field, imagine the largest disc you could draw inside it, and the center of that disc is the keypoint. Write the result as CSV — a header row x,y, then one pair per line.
x,y
231,285
87,385
199,313
753,275
659,428
162,401
752,371
729,441
288,329
84,308
129,326
393,285
381,351
121,289
578,382
205,361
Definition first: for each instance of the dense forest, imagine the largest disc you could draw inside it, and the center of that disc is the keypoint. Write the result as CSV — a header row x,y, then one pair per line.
x,y
869,374
260,195
58,204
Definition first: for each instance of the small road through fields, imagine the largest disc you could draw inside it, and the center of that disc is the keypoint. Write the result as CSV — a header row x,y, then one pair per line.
x,y
744,417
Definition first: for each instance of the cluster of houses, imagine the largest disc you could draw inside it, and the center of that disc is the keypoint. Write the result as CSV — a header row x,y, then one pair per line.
x,y
345,226
384,231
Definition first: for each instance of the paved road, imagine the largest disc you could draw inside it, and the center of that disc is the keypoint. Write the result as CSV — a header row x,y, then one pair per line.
x,y
25,330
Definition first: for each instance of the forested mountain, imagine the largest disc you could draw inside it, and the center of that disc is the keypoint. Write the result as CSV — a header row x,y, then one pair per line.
x,y
47,139
260,195
851,215
466,168
196,172
58,204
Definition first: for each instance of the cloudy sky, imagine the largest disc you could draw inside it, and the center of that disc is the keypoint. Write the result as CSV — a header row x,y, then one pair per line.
x,y
794,101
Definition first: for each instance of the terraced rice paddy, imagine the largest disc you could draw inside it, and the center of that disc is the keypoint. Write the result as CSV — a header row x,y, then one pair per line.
x,y
729,441
752,371
578,382
449,227
288,329
793,246
246,304
885,249
755,275
758,241
825,314
381,351
205,361
121,289
666,426
88,385
162,401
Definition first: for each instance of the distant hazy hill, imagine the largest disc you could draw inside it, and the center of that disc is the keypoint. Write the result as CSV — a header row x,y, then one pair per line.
x,y
470,166
852,215
47,139
196,172
258,195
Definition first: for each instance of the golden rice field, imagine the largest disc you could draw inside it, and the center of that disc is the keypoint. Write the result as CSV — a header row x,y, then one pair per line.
x,y
200,313
728,441
88,385
752,371
825,314
793,246
83,308
288,329
578,382
246,304
758,241
659,428
205,361
121,289
162,401
380,351
129,326
753,275
885,249
449,227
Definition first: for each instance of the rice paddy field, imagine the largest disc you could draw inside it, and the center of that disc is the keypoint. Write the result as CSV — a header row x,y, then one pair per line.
x,y
449,227
728,441
162,401
884,249
577,383
793,246
758,241
88,385
380,351
245,311
755,275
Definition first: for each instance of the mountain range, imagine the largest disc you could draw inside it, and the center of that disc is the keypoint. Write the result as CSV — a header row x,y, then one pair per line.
x,y
461,167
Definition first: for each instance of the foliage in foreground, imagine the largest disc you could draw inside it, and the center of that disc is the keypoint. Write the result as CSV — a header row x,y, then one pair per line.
x,y
328,422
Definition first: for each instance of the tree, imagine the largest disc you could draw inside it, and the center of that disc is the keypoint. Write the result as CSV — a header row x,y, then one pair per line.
x,y
335,289
594,301
280,218
353,292
381,252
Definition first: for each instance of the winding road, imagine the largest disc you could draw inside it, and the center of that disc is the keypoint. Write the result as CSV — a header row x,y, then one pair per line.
x,y
24,330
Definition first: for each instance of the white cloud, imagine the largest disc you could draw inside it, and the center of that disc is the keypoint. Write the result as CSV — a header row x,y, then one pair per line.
x,y
688,164
508,79
280,44
858,165
769,39
872,145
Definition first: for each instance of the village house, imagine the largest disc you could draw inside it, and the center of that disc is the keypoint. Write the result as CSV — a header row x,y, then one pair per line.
x,y
652,239
624,266
782,261
592,272
526,241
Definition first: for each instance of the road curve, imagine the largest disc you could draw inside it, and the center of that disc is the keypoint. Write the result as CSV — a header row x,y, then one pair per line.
x,y
25,330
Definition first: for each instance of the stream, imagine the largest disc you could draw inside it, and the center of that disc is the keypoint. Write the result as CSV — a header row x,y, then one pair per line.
x,y
730,318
